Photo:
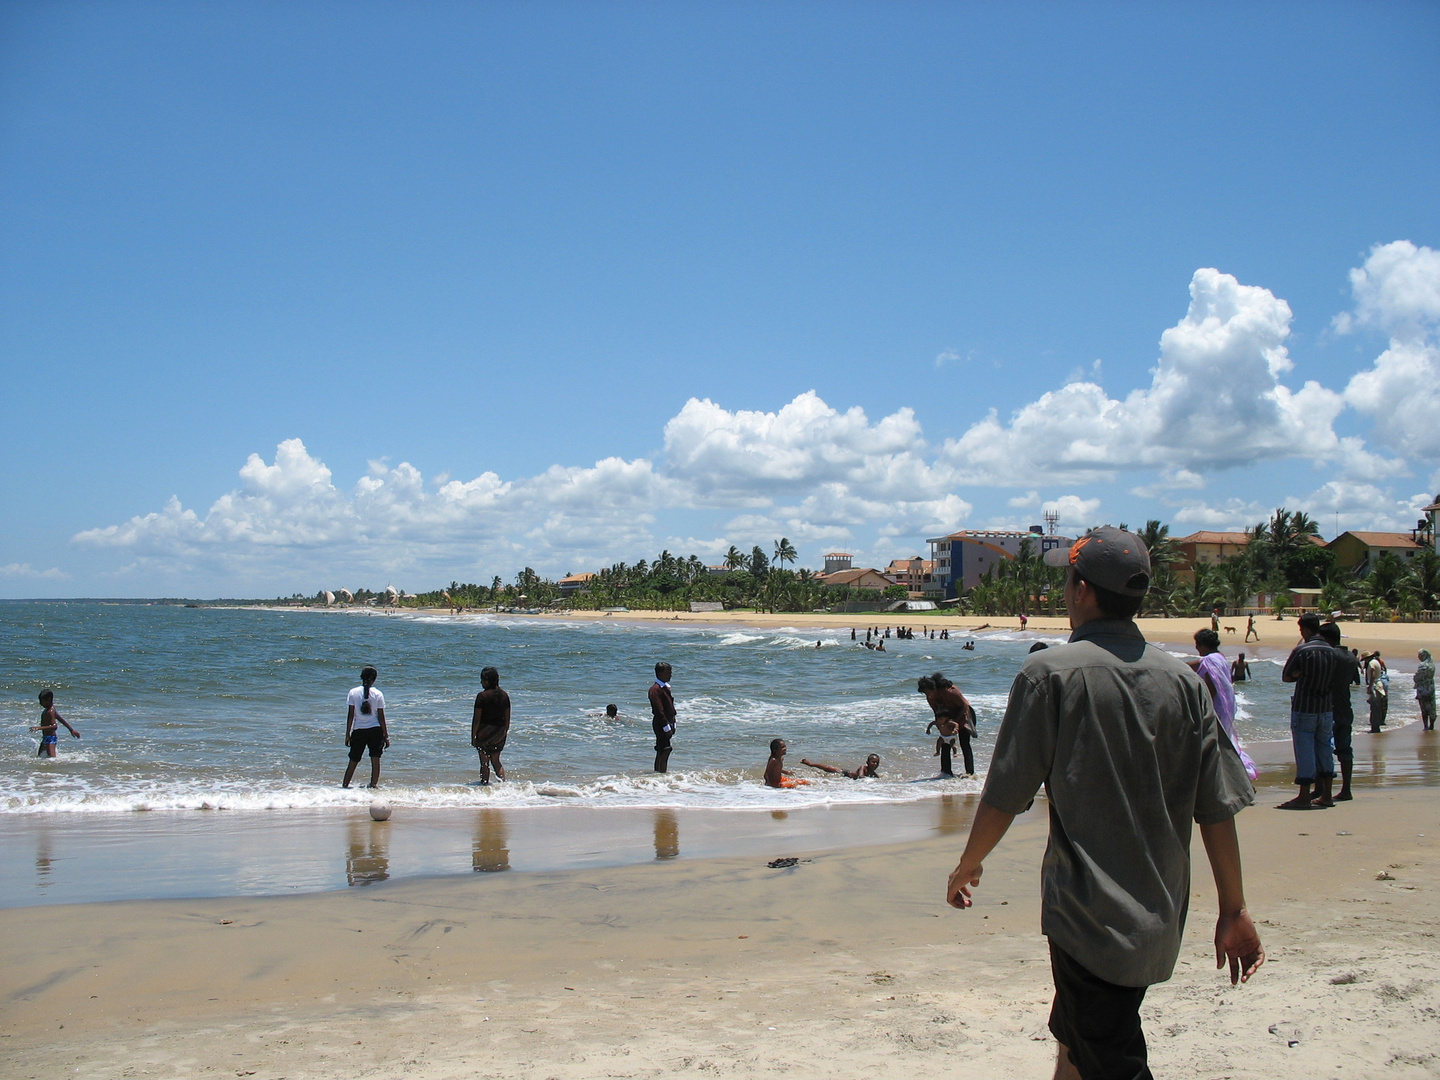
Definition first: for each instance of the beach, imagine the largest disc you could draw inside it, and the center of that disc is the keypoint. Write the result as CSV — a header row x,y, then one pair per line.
x,y
845,964
610,924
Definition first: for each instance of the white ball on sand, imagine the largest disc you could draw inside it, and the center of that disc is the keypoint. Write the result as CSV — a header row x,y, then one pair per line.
x,y
380,811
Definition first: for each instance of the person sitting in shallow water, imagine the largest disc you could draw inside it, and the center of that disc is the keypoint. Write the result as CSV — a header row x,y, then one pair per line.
x,y
870,768
775,773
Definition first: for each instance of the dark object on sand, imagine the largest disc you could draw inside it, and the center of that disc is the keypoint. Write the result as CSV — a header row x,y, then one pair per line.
x,y
781,864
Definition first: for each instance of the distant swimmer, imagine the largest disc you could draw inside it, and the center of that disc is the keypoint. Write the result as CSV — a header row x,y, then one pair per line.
x,y
775,774
1240,669
49,726
662,709
490,723
870,768
612,712
969,646
365,727
880,645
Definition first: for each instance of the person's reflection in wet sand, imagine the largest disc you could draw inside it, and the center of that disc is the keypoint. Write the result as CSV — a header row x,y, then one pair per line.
x,y
954,814
367,858
490,852
667,834
44,861
1428,756
779,815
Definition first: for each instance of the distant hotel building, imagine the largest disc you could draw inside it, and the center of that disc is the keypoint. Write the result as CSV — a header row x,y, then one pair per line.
x,y
963,558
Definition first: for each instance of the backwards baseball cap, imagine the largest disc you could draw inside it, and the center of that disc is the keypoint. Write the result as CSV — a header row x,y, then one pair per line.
x,y
1110,558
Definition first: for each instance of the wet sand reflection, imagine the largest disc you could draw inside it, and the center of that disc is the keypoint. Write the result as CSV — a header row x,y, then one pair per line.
x,y
667,834
490,850
367,854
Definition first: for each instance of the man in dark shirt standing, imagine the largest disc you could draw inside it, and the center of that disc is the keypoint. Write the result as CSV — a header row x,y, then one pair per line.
x,y
1347,674
490,723
1311,667
662,711
1125,740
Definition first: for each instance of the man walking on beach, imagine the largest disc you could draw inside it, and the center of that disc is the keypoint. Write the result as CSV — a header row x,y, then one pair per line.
x,y
1130,751
1311,667
662,715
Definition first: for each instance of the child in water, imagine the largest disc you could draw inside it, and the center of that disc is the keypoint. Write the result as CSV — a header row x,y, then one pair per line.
x,y
49,727
775,774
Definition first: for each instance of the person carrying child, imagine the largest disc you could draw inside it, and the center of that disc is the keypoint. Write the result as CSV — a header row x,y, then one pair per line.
x,y
954,722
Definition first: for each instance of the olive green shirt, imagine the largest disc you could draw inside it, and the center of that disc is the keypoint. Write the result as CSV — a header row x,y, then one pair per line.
x,y
1126,741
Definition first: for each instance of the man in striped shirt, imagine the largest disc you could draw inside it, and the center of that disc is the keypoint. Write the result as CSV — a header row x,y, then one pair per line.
x,y
1311,667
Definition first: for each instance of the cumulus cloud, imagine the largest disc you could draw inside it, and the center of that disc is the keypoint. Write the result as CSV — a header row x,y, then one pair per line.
x,y
1215,401
1075,514
1398,291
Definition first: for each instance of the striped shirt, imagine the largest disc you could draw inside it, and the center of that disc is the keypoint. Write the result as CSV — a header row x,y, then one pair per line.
x,y
1311,667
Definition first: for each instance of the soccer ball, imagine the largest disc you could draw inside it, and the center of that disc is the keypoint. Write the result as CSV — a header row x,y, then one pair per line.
x,y
380,811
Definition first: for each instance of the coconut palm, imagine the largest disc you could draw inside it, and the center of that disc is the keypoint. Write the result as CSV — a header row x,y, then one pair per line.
x,y
784,551
734,558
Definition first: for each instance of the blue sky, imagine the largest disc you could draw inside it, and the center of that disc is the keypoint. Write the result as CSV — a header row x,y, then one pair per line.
x,y
487,286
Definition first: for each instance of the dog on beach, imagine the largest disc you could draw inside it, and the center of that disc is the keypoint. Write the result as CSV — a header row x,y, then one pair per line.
x,y
1229,630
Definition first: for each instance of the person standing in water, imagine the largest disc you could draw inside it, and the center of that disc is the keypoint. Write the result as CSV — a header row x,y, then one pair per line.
x,y
1424,690
490,723
662,710
954,718
365,726
50,721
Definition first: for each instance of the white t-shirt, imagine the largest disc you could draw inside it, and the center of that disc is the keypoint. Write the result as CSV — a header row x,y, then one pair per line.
x,y
365,720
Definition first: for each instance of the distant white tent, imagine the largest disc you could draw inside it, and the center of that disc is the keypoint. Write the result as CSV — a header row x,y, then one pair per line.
x,y
392,594
329,597
347,595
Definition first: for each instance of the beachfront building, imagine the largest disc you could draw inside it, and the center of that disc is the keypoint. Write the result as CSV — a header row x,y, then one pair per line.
x,y
571,584
1206,547
1427,529
836,561
1358,551
856,578
963,558
915,573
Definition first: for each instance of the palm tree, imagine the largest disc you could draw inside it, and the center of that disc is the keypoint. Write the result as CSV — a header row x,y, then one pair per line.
x,y
1238,581
1157,541
784,551
734,559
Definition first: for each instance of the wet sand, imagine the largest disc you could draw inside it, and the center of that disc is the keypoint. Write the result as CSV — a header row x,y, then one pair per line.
x,y
845,964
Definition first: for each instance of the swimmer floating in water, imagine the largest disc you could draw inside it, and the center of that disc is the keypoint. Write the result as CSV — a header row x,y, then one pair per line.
x,y
775,774
870,768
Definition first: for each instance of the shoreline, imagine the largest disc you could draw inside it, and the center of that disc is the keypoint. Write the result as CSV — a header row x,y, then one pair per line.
x,y
845,965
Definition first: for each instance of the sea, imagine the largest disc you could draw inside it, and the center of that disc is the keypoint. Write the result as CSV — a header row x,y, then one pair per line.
x,y
190,710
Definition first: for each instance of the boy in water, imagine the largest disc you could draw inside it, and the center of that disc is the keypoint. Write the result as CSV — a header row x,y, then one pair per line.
x,y
490,723
775,773
49,727
870,768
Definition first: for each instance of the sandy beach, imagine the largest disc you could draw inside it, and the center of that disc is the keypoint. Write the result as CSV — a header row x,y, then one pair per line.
x,y
1398,641
845,964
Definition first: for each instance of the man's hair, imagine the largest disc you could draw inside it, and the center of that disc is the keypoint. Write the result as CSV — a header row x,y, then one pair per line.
x,y
1112,605
1310,622
1330,632
661,670
489,678
1207,638
47,696
1039,645
775,745
941,683
925,683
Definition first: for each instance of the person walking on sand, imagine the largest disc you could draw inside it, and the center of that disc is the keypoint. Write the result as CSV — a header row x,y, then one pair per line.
x,y
871,768
365,727
1085,720
1347,674
1250,630
490,723
49,726
662,712
1425,690
1311,667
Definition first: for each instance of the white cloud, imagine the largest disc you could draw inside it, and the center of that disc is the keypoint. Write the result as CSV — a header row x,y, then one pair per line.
x,y
1215,401
1075,514
1352,504
1397,291
25,570
1234,515
1023,502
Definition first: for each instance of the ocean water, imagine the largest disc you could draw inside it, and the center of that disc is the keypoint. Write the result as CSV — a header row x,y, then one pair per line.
x,y
201,708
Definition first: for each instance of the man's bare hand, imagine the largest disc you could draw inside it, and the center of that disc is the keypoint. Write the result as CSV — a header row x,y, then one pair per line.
x,y
962,879
1237,940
